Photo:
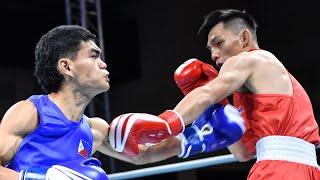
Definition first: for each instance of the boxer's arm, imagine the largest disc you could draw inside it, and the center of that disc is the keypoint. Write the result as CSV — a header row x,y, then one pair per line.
x,y
8,174
148,154
100,132
233,74
165,149
17,122
161,151
240,152
5,173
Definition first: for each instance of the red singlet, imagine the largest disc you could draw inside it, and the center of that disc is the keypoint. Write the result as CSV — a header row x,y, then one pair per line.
x,y
284,115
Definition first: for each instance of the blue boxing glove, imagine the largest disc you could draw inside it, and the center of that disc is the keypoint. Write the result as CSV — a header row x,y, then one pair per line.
x,y
89,169
193,137
228,121
216,129
228,125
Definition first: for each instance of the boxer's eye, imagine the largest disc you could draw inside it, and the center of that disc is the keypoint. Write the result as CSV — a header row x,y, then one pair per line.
x,y
218,43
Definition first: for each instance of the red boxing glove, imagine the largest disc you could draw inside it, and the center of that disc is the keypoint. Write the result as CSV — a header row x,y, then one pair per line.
x,y
127,131
194,73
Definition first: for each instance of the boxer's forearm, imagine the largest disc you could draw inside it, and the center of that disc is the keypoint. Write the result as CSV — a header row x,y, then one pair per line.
x,y
240,151
159,152
198,100
106,149
8,174
195,103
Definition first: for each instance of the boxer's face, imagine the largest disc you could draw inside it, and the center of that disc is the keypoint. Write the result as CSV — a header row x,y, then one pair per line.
x,y
223,44
89,71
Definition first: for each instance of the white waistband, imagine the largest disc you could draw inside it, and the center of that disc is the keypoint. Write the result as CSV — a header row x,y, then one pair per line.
x,y
286,148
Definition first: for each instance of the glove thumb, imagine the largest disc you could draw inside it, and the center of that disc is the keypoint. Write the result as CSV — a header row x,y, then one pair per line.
x,y
209,71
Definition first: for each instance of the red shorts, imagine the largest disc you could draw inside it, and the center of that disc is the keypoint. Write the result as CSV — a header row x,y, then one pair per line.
x,y
283,170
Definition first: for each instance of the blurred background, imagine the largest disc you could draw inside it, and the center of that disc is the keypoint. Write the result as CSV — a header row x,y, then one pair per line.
x,y
144,42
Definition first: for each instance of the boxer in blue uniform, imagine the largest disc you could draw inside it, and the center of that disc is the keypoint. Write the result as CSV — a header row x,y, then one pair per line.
x,y
49,137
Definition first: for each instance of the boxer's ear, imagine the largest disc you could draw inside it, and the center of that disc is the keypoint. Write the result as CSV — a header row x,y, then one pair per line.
x,y
245,37
63,66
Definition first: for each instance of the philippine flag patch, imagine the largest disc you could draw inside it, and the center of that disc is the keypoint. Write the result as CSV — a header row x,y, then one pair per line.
x,y
240,109
84,149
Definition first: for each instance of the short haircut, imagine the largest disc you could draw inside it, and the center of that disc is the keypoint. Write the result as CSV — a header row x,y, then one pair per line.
x,y
235,20
61,42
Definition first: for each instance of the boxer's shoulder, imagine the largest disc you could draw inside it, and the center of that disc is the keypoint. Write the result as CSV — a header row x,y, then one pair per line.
x,y
98,123
21,118
99,128
18,121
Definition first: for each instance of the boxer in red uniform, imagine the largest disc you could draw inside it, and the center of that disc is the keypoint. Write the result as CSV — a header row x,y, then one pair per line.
x,y
280,125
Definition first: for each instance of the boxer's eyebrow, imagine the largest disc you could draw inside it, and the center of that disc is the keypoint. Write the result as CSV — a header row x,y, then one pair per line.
x,y
96,51
211,42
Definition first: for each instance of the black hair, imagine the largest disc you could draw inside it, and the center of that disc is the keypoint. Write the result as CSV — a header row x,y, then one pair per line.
x,y
60,42
233,19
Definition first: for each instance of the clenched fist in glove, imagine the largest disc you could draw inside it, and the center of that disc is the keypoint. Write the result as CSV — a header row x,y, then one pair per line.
x,y
217,128
127,131
194,73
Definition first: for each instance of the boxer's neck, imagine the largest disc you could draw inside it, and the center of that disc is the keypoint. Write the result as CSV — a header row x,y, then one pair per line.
x,y
70,104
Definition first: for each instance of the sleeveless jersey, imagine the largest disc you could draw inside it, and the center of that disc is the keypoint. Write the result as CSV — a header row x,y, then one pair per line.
x,y
56,139
277,114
